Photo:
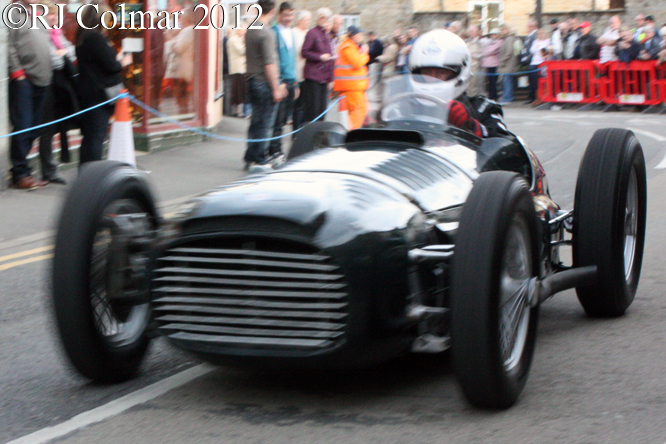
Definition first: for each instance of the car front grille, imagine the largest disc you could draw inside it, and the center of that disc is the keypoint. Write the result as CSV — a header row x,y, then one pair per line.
x,y
258,293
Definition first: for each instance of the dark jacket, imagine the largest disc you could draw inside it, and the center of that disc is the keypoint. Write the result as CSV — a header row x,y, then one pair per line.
x,y
526,52
375,49
587,48
629,54
316,43
98,68
652,46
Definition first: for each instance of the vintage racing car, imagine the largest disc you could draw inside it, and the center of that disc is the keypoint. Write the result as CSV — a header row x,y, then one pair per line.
x,y
410,236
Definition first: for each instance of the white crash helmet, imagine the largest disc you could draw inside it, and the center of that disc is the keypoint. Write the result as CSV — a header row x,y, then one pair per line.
x,y
443,49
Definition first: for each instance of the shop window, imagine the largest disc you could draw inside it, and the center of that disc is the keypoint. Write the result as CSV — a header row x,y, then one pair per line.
x,y
617,4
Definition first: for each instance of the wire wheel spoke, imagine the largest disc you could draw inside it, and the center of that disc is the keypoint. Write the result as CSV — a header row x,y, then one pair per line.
x,y
514,312
117,321
630,225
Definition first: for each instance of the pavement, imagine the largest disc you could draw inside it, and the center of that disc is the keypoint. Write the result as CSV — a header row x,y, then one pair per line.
x,y
175,174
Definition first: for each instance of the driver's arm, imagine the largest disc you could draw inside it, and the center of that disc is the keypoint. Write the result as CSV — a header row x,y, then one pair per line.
x,y
460,118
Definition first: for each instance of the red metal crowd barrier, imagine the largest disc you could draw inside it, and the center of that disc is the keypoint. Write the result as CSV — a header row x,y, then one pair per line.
x,y
569,81
613,83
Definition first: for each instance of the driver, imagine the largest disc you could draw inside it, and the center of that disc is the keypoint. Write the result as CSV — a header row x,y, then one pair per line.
x,y
444,56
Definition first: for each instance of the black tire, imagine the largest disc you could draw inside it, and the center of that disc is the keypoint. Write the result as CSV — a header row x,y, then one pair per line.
x,y
316,135
497,216
611,179
103,358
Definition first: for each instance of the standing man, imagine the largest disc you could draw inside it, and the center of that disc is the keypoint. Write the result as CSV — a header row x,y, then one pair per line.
x,y
336,26
412,34
318,71
286,45
556,38
508,63
303,19
526,59
351,75
30,74
587,47
639,33
375,49
265,89
651,45
474,45
608,40
572,38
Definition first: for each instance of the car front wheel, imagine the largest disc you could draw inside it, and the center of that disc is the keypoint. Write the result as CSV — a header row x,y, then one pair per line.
x,y
100,287
493,325
609,220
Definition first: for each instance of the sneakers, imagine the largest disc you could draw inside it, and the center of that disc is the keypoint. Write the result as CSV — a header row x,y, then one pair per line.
x,y
29,183
56,179
271,162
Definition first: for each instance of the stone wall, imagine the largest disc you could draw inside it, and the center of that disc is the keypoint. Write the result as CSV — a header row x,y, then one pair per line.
x,y
383,16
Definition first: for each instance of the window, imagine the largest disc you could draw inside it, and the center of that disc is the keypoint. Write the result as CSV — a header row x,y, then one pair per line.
x,y
350,20
486,14
616,4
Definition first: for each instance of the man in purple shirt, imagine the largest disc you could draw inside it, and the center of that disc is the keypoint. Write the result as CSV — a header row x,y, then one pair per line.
x,y
319,64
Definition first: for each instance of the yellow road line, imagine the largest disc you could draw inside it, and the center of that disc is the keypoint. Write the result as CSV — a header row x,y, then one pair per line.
x,y
26,253
30,260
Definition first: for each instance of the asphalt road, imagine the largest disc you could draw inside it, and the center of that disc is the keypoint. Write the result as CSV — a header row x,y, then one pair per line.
x,y
592,381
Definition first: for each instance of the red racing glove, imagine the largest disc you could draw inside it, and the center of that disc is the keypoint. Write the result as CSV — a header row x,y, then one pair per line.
x,y
460,118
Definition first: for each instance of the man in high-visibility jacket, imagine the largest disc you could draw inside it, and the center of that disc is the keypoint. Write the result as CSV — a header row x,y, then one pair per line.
x,y
351,75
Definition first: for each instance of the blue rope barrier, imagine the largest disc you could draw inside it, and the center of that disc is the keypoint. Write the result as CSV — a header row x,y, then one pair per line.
x,y
119,96
191,128
217,136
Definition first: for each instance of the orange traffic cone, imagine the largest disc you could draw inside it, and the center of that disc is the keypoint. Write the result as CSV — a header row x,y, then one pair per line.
x,y
121,140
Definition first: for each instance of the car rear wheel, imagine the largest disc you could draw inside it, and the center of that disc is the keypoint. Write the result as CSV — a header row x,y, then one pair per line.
x,y
609,220
493,325
100,287
317,135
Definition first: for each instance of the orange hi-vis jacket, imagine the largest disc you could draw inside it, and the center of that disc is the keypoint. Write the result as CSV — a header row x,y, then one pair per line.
x,y
351,72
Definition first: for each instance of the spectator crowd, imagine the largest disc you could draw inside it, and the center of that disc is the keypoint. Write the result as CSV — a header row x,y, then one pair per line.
x,y
285,72
316,60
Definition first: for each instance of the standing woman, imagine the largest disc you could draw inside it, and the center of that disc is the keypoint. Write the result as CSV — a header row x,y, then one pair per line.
x,y
490,60
317,51
98,69
237,69
61,100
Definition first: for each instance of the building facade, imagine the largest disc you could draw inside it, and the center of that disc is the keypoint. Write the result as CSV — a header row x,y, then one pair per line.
x,y
383,16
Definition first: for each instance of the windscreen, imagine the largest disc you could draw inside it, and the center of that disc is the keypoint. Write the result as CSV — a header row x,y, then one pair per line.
x,y
416,98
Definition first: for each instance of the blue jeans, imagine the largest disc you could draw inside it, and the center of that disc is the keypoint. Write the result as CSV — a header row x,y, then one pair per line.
x,y
26,105
507,88
263,118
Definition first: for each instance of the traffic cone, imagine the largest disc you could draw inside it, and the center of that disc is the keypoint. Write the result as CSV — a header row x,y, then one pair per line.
x,y
121,140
